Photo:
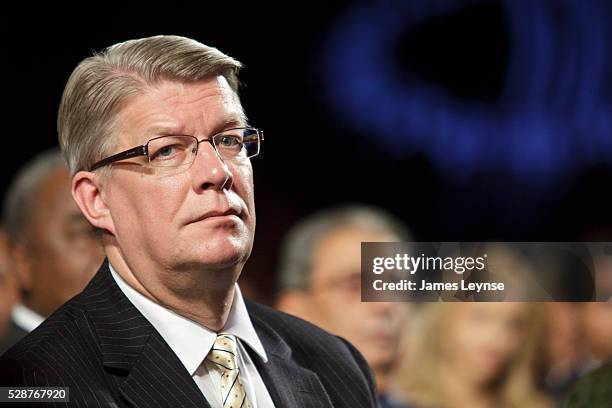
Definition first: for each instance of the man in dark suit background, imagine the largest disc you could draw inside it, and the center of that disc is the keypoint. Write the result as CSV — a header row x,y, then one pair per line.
x,y
320,269
51,251
159,151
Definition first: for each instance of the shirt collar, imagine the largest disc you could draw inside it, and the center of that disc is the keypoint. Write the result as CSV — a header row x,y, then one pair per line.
x,y
191,341
26,318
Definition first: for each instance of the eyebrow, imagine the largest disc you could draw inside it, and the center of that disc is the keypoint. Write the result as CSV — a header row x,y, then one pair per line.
x,y
233,120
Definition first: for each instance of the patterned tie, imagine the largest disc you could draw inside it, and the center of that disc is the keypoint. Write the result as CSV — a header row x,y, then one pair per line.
x,y
223,354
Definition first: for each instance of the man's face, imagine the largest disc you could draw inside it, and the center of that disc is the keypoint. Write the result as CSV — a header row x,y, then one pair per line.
x,y
62,251
335,297
202,215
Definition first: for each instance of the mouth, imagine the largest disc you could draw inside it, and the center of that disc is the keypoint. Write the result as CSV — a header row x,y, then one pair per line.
x,y
218,214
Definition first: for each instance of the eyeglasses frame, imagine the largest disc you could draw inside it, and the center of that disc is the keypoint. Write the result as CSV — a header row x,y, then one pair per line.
x,y
142,150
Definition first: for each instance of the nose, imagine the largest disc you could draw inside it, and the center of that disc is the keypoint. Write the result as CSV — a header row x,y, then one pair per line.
x,y
211,171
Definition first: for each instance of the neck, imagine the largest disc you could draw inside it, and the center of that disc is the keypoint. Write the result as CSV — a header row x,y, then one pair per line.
x,y
204,296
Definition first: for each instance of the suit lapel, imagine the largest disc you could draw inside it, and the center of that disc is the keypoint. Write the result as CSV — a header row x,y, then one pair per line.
x,y
159,379
142,366
289,384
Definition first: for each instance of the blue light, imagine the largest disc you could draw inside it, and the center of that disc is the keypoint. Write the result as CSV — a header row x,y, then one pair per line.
x,y
553,114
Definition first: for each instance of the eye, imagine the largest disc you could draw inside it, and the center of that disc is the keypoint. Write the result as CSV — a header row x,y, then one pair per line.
x,y
171,151
166,152
230,141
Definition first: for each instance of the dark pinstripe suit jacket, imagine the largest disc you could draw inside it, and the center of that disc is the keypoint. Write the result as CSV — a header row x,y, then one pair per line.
x,y
14,334
101,347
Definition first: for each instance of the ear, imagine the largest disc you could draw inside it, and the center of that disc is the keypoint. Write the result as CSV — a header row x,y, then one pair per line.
x,y
294,302
87,192
20,262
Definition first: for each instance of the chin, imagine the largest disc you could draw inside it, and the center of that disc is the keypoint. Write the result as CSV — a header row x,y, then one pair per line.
x,y
224,261
223,254
216,247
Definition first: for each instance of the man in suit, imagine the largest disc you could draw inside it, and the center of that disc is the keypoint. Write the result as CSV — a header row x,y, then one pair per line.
x,y
51,249
159,151
321,268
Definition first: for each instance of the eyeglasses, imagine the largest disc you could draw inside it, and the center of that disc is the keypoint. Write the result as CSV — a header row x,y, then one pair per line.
x,y
175,151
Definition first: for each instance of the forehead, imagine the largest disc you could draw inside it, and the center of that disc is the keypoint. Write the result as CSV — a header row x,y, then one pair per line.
x,y
338,253
171,107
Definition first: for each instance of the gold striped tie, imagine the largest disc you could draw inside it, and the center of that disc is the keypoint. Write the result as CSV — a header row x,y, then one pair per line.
x,y
223,354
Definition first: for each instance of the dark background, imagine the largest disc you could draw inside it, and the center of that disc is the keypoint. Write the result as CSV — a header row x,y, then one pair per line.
x,y
487,59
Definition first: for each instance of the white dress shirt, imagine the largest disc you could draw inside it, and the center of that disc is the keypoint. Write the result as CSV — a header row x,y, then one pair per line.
x,y
26,318
191,342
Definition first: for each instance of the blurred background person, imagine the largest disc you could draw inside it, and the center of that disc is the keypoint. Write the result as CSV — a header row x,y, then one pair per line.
x,y
564,345
51,247
472,354
579,340
320,281
8,297
597,324
597,316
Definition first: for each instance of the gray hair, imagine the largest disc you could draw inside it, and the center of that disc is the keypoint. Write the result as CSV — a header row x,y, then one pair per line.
x,y
20,199
300,242
102,84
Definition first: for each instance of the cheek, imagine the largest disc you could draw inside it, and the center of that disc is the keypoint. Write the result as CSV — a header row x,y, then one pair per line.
x,y
324,306
137,205
466,339
346,318
243,186
243,177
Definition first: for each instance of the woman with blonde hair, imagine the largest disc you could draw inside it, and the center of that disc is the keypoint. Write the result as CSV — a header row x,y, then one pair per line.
x,y
470,354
